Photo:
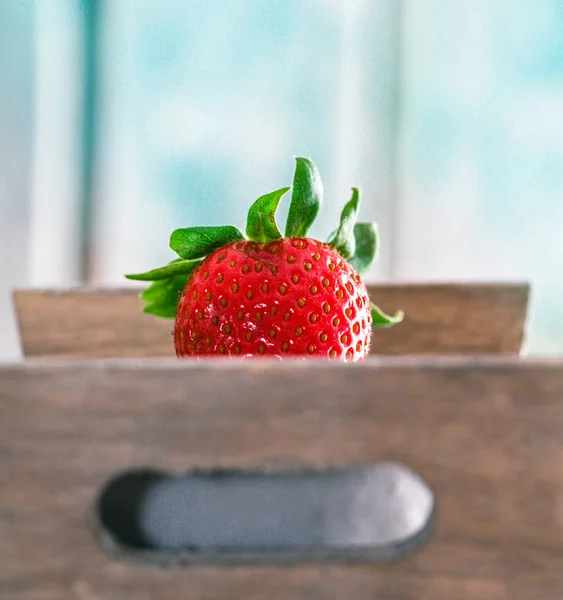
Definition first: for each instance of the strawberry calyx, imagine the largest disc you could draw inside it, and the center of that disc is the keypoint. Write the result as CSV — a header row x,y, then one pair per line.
x,y
343,239
306,198
356,242
261,225
198,242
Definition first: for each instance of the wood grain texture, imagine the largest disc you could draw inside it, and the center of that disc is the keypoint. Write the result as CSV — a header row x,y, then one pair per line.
x,y
485,434
440,319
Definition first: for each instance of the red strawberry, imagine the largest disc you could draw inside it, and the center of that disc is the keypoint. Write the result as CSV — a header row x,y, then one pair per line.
x,y
270,295
294,296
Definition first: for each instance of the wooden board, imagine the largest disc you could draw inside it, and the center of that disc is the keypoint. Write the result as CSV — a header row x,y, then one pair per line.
x,y
440,319
485,434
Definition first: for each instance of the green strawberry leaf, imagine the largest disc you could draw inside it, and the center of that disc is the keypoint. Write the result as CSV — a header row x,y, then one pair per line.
x,y
306,198
164,311
176,267
343,240
380,320
367,245
196,242
162,296
166,290
261,225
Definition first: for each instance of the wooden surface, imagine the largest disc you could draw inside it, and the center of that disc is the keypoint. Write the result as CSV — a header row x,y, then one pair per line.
x,y
440,319
485,434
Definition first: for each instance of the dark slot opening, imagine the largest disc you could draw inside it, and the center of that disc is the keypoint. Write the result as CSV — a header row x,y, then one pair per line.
x,y
374,513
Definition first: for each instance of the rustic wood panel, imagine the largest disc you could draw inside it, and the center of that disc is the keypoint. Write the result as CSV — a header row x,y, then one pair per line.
x,y
485,434
440,319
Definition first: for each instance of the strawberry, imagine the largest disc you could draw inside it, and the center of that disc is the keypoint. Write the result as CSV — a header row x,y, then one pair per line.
x,y
267,294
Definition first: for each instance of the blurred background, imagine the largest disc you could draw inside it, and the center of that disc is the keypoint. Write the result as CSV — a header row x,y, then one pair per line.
x,y
123,119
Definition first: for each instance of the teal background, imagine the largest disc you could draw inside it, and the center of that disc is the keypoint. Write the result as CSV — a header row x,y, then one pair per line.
x,y
16,132
482,149
204,105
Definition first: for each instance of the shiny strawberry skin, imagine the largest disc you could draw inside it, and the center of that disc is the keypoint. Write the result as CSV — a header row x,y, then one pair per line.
x,y
290,297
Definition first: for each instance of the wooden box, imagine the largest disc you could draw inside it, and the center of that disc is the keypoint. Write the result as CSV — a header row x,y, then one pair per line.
x,y
440,319
99,394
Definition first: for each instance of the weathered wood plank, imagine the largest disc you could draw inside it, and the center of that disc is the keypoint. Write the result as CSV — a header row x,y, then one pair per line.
x,y
485,434
440,319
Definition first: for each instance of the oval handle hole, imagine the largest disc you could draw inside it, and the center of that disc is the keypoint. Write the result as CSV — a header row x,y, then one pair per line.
x,y
367,513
